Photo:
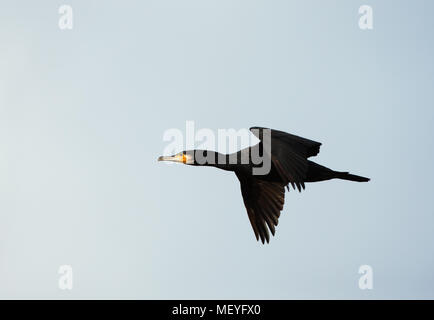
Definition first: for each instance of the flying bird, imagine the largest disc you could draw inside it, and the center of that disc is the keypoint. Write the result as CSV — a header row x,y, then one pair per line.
x,y
264,193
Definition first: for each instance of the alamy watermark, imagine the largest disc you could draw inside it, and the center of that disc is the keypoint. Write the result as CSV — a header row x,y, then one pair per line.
x,y
200,147
66,20
65,280
366,281
366,20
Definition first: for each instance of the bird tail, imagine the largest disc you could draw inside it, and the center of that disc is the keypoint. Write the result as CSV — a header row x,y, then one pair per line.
x,y
350,177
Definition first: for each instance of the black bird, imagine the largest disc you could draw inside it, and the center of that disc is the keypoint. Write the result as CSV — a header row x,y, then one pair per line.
x,y
264,194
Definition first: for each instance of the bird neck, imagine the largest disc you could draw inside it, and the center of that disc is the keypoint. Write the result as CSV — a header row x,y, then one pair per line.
x,y
213,159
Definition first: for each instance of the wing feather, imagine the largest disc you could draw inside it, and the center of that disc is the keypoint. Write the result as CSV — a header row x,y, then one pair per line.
x,y
263,201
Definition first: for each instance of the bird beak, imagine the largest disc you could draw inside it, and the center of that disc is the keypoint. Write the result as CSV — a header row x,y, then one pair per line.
x,y
176,158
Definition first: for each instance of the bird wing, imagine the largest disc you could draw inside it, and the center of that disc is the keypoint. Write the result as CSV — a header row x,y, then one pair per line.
x,y
289,155
307,148
263,201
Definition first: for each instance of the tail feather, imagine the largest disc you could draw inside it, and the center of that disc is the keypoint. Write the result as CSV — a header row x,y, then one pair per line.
x,y
350,177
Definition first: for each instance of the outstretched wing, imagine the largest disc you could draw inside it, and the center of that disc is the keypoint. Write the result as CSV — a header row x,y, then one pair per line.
x,y
305,147
263,201
289,154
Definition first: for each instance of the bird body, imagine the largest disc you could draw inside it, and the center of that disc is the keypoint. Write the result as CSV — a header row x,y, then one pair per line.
x,y
264,194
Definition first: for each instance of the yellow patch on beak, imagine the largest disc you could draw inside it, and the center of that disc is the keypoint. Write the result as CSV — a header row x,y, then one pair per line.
x,y
181,158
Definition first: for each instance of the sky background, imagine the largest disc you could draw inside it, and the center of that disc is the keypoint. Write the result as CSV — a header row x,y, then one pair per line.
x,y
82,118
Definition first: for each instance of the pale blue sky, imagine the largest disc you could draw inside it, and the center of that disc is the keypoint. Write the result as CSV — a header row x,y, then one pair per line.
x,y
82,118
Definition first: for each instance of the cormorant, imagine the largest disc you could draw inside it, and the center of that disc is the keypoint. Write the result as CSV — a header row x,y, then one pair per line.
x,y
264,194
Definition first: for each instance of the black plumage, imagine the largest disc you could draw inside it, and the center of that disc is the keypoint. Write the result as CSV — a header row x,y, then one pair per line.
x,y
264,194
